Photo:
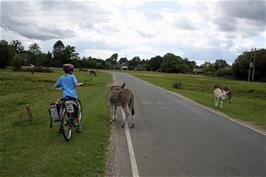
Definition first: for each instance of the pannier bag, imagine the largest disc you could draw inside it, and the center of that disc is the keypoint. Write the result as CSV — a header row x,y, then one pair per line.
x,y
71,108
54,111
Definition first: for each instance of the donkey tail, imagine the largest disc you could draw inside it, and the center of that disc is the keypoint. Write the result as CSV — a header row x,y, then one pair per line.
x,y
131,105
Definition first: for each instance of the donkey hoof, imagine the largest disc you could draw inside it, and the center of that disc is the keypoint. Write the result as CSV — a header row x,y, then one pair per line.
x,y
132,126
123,125
111,121
114,120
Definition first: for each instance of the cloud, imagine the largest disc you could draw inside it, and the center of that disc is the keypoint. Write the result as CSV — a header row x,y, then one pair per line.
x,y
193,29
252,10
243,17
45,20
226,23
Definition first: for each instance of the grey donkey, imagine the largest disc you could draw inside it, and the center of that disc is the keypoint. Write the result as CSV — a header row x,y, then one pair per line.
x,y
120,96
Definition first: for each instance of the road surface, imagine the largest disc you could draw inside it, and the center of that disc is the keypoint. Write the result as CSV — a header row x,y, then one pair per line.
x,y
174,137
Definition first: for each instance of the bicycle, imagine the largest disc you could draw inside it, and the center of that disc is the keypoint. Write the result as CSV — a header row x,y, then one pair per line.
x,y
69,116
66,111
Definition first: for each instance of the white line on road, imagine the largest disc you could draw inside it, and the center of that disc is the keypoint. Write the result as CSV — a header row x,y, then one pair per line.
x,y
132,157
134,167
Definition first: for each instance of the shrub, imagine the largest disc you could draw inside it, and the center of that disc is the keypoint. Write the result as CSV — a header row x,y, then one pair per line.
x,y
177,85
17,63
224,72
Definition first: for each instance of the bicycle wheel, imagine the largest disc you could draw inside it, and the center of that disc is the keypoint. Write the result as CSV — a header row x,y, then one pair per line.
x,y
80,109
65,124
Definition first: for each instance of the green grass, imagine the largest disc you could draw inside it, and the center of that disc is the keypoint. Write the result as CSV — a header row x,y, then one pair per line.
x,y
32,148
249,98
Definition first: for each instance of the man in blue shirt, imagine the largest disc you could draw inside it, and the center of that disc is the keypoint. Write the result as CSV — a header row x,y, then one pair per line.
x,y
68,83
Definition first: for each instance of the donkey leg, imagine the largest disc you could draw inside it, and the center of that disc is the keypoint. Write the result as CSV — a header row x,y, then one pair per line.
x,y
126,113
115,114
112,114
133,123
215,102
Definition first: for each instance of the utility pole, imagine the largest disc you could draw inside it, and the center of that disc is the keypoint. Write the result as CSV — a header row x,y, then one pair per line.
x,y
249,66
254,58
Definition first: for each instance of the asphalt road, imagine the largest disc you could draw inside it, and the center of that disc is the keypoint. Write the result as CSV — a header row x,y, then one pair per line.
x,y
174,137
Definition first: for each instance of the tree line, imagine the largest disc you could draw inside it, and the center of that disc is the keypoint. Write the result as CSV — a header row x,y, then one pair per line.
x,y
14,54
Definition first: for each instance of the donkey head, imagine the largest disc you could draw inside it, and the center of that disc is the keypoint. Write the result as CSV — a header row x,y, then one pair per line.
x,y
118,87
228,94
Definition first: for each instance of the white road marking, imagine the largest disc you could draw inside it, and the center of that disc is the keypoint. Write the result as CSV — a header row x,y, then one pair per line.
x,y
134,167
132,157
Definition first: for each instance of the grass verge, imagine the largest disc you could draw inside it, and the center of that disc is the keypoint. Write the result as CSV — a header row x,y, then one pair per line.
x,y
32,148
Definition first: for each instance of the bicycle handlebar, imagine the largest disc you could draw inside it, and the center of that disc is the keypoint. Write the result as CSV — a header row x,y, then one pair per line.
x,y
77,85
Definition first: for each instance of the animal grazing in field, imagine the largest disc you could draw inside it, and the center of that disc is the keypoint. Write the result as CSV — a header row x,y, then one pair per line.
x,y
120,96
221,94
92,73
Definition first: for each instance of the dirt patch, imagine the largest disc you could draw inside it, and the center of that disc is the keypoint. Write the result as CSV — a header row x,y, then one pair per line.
x,y
112,163
154,75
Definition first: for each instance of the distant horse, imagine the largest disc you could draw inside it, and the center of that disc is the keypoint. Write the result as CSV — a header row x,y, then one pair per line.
x,y
221,94
92,73
119,96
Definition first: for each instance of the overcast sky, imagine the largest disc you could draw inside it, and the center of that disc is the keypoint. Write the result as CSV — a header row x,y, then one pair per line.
x,y
199,30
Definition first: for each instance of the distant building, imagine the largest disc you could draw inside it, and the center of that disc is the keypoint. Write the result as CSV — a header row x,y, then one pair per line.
x,y
197,70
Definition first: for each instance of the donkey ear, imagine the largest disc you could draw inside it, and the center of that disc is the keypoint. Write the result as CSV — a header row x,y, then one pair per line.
x,y
123,85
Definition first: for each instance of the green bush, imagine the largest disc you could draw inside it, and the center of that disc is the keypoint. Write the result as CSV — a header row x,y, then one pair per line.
x,y
17,63
177,85
224,72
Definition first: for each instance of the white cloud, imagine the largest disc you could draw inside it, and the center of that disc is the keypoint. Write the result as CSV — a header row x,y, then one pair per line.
x,y
195,29
99,53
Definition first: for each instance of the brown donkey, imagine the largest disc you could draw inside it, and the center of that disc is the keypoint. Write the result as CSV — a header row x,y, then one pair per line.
x,y
120,96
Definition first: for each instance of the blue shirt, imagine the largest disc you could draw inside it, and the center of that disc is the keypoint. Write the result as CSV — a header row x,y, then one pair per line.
x,y
68,83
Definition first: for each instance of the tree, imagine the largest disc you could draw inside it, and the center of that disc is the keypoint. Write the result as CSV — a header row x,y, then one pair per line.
x,y
26,57
70,54
134,62
49,58
190,64
123,60
220,64
35,49
208,68
16,63
7,53
58,52
111,62
240,66
18,46
35,52
114,58
155,63
170,63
